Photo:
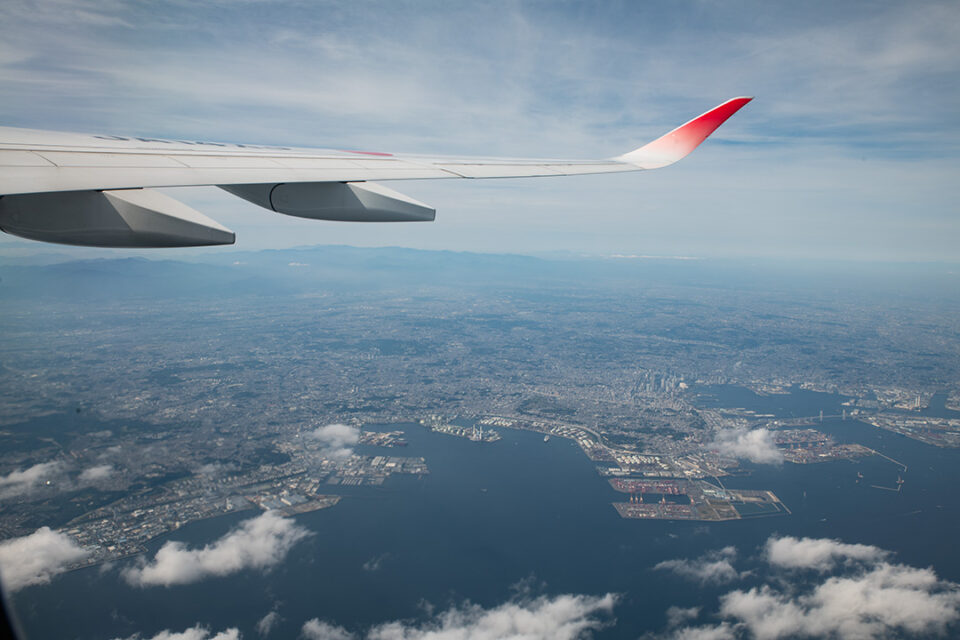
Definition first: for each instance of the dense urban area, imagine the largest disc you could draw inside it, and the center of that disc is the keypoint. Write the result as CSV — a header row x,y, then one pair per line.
x,y
137,396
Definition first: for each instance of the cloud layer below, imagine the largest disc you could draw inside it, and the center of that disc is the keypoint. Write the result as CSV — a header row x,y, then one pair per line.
x,y
822,588
798,588
754,445
259,543
715,567
193,633
19,482
821,554
336,440
563,617
36,558
96,473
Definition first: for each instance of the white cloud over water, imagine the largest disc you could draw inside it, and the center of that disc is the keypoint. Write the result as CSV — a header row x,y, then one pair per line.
x,y
754,445
374,563
855,592
679,615
198,632
266,624
715,567
336,440
36,558
259,543
316,629
822,554
563,617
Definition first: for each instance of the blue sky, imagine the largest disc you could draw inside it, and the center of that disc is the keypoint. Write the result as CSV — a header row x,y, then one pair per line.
x,y
850,149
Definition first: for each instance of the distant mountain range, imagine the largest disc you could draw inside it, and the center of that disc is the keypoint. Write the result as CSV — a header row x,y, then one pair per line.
x,y
344,268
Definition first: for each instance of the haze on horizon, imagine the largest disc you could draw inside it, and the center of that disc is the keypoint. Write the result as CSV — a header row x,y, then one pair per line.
x,y
850,150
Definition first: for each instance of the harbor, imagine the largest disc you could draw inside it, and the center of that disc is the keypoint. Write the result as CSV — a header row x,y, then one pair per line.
x,y
681,499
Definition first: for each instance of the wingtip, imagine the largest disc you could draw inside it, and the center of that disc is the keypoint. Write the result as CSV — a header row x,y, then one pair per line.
x,y
680,142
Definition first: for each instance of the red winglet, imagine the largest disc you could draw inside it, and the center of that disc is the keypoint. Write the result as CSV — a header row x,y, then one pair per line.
x,y
681,141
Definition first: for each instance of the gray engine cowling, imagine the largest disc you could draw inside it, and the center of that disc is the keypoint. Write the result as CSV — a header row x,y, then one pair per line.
x,y
342,201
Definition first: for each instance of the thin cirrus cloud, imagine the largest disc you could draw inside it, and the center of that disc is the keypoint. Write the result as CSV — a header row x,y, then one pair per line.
x,y
851,591
837,157
258,543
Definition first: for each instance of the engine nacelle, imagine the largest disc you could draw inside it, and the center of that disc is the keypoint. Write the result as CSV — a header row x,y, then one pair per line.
x,y
120,218
342,201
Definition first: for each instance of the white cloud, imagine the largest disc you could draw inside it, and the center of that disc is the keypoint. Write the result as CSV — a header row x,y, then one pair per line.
x,y
680,615
722,631
97,473
886,599
564,617
336,440
497,79
374,563
266,624
866,597
715,567
316,629
193,633
258,543
217,469
17,483
754,445
821,554
36,558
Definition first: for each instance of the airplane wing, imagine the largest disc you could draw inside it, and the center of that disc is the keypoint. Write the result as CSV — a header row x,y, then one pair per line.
x,y
97,190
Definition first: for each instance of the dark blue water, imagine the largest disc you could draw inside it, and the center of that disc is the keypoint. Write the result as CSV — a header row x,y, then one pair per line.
x,y
799,403
490,516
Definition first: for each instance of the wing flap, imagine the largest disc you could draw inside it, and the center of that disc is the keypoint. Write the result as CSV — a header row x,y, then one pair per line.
x,y
12,158
32,179
493,170
109,160
227,162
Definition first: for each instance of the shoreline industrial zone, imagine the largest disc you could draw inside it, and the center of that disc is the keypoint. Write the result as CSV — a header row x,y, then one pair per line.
x,y
693,500
682,475
122,528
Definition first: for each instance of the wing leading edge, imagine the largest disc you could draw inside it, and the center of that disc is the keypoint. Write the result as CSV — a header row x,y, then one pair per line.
x,y
94,190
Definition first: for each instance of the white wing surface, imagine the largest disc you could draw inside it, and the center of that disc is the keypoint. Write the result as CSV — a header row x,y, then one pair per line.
x,y
96,189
